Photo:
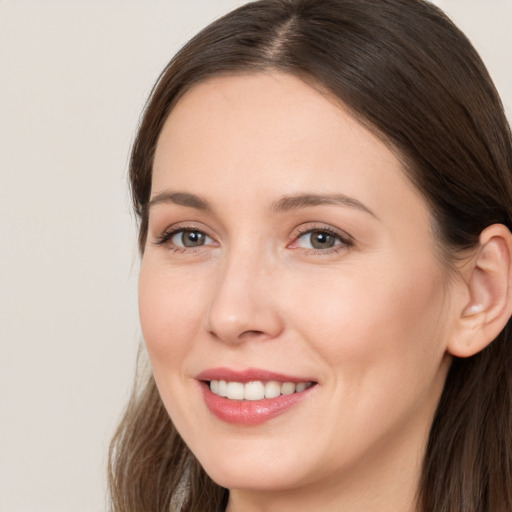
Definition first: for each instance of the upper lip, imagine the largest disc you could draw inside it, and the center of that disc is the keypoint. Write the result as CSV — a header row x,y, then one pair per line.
x,y
248,375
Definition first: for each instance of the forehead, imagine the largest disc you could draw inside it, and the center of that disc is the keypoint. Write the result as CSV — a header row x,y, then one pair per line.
x,y
273,133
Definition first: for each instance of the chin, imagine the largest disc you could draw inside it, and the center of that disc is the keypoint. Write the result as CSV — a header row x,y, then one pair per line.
x,y
256,465
253,478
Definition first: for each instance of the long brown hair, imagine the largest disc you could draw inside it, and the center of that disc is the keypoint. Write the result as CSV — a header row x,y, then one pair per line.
x,y
406,72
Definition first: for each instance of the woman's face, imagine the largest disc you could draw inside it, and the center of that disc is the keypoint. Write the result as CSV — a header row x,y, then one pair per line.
x,y
289,258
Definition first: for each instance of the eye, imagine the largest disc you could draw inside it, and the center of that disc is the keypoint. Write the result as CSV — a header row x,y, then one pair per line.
x,y
318,240
321,239
184,238
189,238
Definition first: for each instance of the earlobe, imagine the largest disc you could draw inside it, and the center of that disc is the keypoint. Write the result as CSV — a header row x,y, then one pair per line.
x,y
488,281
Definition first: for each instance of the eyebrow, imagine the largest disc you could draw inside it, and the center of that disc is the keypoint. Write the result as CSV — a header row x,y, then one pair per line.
x,y
298,201
282,205
182,199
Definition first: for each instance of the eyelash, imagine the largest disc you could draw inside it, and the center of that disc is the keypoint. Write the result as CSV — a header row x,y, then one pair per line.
x,y
346,241
167,236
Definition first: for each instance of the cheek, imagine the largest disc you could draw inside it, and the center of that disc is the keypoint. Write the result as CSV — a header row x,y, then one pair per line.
x,y
387,319
378,337
170,310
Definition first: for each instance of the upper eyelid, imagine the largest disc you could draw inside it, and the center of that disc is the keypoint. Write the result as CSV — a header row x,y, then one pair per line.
x,y
309,227
186,226
169,232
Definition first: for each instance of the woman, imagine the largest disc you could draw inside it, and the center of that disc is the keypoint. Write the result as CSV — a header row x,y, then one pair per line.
x,y
324,194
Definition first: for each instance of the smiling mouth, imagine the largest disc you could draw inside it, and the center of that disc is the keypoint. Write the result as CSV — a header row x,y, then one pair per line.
x,y
256,390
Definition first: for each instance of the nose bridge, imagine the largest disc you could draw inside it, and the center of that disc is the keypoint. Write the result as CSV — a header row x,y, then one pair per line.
x,y
242,305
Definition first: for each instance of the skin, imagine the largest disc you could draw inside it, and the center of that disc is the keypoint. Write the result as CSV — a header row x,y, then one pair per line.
x,y
369,321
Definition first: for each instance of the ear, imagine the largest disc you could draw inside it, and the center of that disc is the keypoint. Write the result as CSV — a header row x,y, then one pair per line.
x,y
488,278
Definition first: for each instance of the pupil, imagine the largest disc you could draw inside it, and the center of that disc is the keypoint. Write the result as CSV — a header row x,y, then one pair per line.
x,y
192,238
321,240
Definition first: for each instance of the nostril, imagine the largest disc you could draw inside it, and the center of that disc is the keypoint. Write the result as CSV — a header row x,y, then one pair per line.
x,y
251,334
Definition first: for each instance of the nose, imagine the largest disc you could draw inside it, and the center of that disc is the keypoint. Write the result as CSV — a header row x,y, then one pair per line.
x,y
244,305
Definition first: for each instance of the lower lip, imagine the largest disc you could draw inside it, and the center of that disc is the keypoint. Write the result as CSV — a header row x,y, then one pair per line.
x,y
250,412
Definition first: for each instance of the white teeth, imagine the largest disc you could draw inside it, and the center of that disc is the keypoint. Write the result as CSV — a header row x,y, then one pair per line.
x,y
223,388
287,388
301,386
272,389
214,386
256,390
235,391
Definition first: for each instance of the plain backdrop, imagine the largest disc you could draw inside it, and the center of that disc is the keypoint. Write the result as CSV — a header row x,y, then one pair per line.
x,y
74,76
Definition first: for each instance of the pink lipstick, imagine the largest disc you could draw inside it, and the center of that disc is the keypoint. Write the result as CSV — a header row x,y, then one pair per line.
x,y
253,396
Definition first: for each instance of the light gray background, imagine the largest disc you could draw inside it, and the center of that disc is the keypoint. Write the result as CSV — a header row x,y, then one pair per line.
x,y
74,76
